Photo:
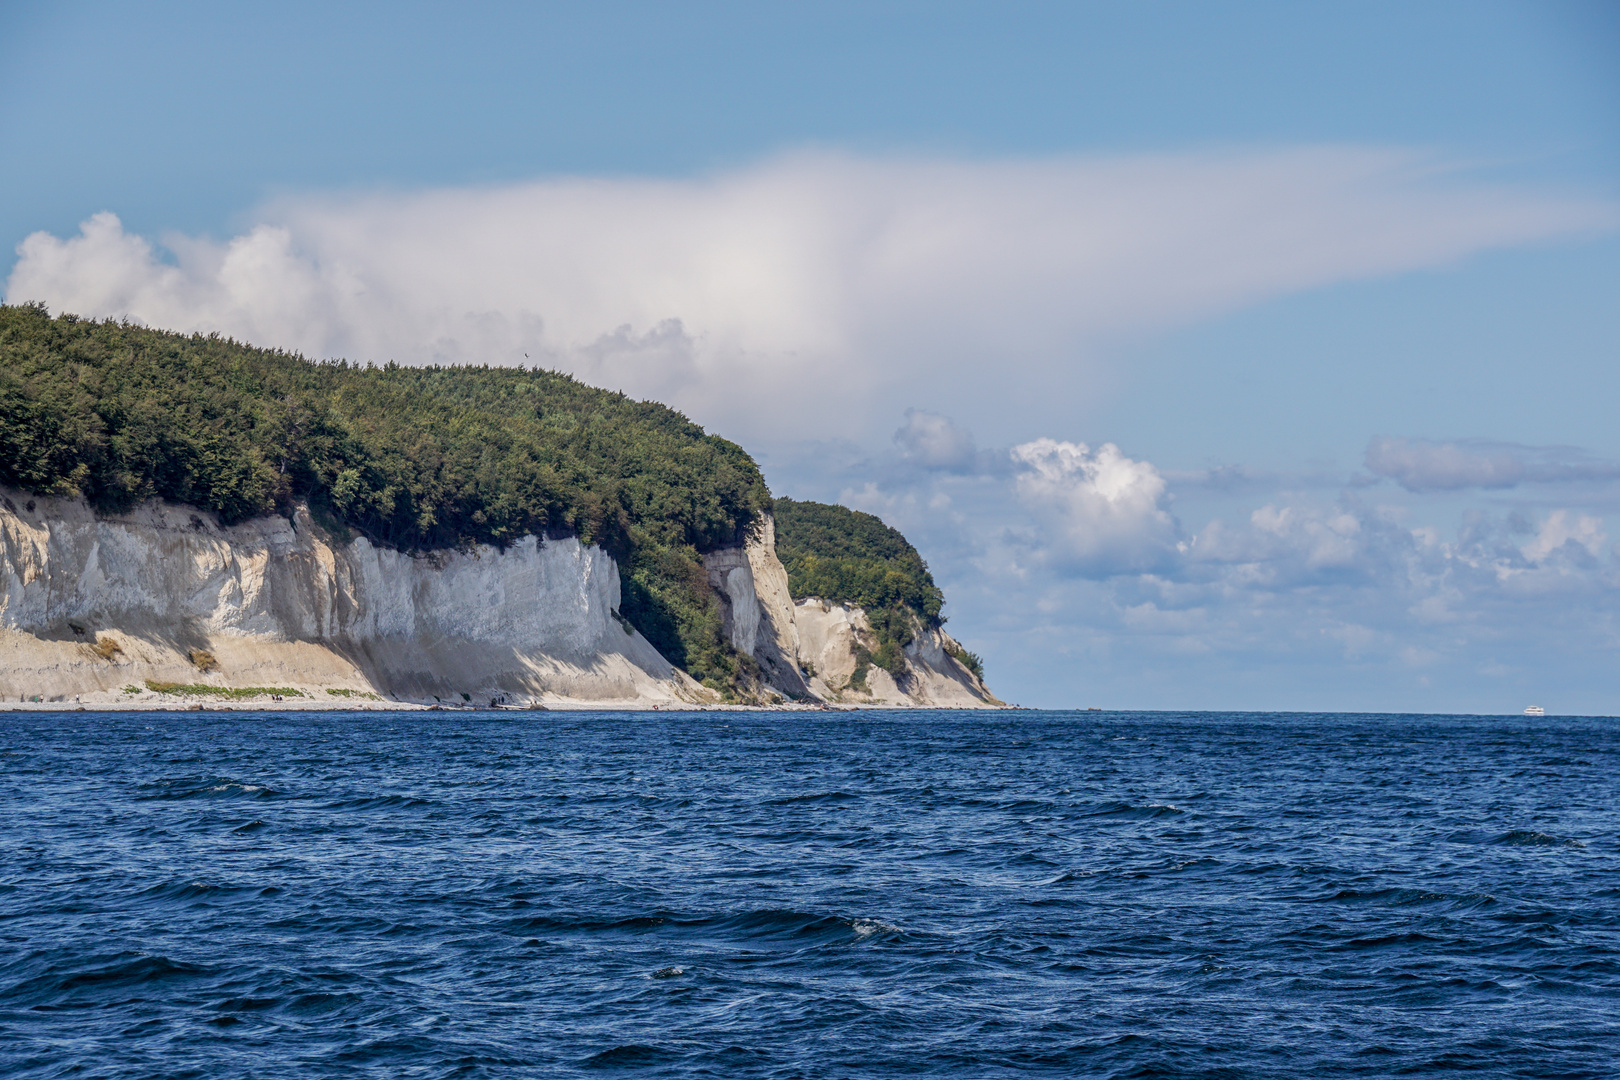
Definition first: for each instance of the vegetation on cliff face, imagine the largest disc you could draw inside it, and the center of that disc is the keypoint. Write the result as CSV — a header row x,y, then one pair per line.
x,y
972,661
413,458
848,557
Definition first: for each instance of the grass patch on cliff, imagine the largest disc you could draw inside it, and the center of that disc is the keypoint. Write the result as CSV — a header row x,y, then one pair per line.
x,y
235,693
417,459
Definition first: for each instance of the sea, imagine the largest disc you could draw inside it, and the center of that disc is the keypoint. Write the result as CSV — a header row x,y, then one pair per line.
x,y
808,895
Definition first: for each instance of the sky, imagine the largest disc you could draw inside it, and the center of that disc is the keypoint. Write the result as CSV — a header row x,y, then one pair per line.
x,y
1215,355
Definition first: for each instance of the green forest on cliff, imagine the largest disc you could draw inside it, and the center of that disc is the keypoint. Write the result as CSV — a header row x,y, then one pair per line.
x,y
412,458
432,458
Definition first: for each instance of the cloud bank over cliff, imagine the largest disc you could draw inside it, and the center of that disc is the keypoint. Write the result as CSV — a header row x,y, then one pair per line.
x,y
833,279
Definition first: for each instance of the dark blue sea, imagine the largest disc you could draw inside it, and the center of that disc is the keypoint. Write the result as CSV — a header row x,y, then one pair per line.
x,y
808,895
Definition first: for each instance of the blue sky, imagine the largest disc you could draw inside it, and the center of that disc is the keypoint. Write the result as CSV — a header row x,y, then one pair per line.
x,y
1337,281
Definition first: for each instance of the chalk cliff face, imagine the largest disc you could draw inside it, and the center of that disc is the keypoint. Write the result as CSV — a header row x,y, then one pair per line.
x,y
96,608
90,605
829,635
758,609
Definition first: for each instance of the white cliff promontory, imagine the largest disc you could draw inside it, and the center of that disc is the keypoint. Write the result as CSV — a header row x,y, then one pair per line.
x,y
103,608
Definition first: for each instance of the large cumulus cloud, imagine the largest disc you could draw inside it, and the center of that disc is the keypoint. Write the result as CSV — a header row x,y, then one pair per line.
x,y
1101,511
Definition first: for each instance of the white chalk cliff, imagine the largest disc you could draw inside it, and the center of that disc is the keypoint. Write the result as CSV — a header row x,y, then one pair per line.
x,y
101,607
931,676
810,649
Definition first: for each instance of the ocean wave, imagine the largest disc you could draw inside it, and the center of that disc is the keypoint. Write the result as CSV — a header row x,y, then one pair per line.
x,y
379,802
631,1056
183,890
1134,812
775,926
204,788
1531,838
122,971
819,797
755,926
1392,896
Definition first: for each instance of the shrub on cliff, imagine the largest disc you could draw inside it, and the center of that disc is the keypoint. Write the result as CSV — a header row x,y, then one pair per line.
x,y
413,458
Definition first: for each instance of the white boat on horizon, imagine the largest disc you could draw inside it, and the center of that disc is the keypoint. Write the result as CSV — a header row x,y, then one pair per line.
x,y
1535,710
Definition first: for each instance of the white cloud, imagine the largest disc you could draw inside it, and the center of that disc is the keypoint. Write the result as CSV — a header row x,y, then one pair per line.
x,y
1576,536
1325,540
806,295
1102,510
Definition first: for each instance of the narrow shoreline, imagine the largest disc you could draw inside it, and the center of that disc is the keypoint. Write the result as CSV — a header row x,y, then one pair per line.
x,y
410,706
